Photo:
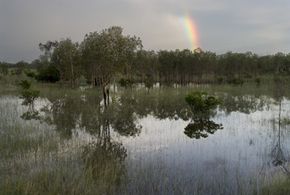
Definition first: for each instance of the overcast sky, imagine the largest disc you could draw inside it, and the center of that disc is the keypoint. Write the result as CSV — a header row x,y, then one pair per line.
x,y
261,26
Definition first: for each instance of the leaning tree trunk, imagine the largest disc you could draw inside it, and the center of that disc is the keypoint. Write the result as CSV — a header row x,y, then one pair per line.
x,y
106,95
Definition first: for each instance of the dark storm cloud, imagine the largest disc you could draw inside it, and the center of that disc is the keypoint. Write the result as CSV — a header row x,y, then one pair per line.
x,y
258,26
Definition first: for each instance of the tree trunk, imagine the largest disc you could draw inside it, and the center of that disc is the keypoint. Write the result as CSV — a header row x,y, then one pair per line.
x,y
106,95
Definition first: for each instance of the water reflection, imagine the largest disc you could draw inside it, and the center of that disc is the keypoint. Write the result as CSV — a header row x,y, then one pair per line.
x,y
245,104
201,128
86,112
203,107
104,160
277,152
105,157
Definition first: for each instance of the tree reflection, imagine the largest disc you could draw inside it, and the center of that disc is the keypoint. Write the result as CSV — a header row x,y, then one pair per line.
x,y
201,128
244,104
277,153
104,160
85,111
203,107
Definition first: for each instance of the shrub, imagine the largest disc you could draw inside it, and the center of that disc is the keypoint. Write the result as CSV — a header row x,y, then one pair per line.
x,y
30,74
48,74
201,103
3,69
149,82
220,80
236,81
27,94
258,81
125,82
24,84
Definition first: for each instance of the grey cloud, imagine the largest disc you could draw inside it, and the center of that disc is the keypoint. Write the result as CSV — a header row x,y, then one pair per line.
x,y
260,26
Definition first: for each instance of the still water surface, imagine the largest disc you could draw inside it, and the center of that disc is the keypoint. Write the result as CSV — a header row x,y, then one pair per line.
x,y
139,145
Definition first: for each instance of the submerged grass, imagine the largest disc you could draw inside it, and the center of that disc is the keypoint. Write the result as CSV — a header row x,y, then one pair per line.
x,y
35,159
277,187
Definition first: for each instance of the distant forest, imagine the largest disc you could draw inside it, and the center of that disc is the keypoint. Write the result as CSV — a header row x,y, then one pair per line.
x,y
109,56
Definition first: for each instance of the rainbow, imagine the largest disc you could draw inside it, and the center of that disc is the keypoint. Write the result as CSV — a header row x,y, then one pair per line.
x,y
191,31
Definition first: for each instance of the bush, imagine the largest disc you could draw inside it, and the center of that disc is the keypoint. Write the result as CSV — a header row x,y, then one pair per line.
x,y
125,82
149,82
236,81
27,94
48,74
3,69
220,80
30,74
201,103
258,81
24,84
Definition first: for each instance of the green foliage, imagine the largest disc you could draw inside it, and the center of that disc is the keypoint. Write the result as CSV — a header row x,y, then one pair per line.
x,y
48,74
30,74
201,103
19,67
236,81
125,82
103,55
27,94
149,82
66,58
107,53
220,80
24,84
202,106
3,69
257,81
277,187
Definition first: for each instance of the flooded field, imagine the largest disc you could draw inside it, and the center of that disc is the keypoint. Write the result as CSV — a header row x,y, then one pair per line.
x,y
145,142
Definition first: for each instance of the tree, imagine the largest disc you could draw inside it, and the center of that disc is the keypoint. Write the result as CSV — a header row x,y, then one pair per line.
x,y
19,67
48,74
66,58
47,48
3,68
106,54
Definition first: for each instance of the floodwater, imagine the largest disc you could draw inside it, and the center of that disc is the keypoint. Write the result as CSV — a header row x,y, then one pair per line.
x,y
143,143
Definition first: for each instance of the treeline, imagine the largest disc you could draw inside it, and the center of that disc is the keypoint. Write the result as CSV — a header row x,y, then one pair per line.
x,y
108,55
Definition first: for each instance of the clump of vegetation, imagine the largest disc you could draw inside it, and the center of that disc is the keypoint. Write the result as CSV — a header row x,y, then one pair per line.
x,y
201,103
257,81
3,69
149,82
220,80
236,81
48,74
30,74
202,106
29,96
125,82
278,187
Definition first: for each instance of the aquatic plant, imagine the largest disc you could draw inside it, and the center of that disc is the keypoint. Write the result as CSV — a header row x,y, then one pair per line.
x,y
29,96
202,107
201,104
